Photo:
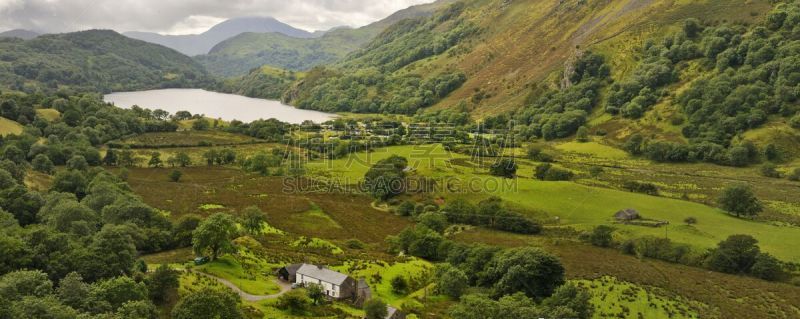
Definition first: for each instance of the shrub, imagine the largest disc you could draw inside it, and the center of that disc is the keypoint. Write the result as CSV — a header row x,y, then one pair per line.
x,y
736,254
541,170
795,121
558,174
690,220
641,187
770,170
601,236
535,153
42,163
450,281
354,244
375,309
547,172
175,176
582,135
386,178
504,167
399,285
795,175
296,301
772,153
405,209
634,144
767,267
433,220
595,171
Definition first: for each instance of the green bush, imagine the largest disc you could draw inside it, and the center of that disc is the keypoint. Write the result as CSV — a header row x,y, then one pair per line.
x,y
770,170
504,167
601,236
641,187
175,176
795,121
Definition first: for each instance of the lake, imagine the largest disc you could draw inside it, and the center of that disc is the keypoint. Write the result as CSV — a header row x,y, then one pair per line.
x,y
215,105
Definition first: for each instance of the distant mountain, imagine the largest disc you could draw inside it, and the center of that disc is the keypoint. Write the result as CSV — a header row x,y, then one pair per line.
x,y
195,44
247,51
19,33
94,60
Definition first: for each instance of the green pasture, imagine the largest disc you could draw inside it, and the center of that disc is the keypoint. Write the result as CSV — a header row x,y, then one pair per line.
x,y
9,127
612,298
379,275
577,205
48,114
585,207
250,277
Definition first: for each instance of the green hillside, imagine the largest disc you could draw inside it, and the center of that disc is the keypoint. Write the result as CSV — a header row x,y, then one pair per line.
x,y
241,54
96,60
265,82
508,50
682,85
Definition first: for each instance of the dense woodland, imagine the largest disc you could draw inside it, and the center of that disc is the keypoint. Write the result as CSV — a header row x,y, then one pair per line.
x,y
96,61
367,81
72,250
263,82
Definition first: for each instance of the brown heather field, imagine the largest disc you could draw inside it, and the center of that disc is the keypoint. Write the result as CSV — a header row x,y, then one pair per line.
x,y
186,138
336,216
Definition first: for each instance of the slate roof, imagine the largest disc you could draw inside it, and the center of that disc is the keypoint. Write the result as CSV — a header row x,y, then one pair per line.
x,y
322,273
362,283
390,311
628,213
292,269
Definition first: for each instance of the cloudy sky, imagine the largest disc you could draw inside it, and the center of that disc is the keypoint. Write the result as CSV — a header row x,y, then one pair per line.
x,y
188,16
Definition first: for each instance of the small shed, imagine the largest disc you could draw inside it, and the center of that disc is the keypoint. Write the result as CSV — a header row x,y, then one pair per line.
x,y
393,313
289,272
627,214
363,292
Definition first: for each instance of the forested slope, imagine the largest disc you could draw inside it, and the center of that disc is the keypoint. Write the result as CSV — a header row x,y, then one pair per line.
x,y
96,60
673,81
245,52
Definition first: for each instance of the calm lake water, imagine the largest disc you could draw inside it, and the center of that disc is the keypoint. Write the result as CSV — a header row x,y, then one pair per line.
x,y
215,105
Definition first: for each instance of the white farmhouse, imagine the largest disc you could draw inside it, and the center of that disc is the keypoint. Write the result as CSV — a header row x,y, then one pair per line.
x,y
336,285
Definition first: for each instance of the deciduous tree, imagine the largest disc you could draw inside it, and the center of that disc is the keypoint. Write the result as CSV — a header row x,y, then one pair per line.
x,y
214,235
740,200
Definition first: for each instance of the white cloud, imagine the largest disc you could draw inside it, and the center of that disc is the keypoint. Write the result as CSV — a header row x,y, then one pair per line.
x,y
194,25
188,16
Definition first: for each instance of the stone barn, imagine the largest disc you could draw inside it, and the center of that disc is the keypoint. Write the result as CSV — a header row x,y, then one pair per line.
x,y
627,214
289,272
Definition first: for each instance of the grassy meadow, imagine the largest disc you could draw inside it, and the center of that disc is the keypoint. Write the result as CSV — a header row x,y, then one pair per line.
x,y
9,127
578,205
614,298
49,114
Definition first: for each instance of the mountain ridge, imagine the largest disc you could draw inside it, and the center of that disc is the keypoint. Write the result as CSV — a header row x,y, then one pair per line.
x,y
239,55
196,44
20,33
